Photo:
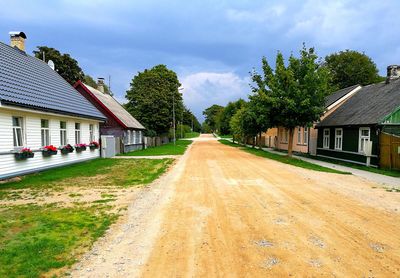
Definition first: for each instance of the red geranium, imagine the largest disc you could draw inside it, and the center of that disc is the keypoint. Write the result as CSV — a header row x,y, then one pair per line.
x,y
26,150
50,148
95,144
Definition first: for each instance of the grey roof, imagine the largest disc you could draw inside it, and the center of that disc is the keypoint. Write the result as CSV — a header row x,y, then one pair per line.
x,y
369,106
29,82
116,108
332,98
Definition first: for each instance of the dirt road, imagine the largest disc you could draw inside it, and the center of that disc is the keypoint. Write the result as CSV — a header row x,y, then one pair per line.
x,y
226,213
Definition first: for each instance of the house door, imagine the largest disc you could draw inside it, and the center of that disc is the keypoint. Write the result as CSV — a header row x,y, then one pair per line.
x,y
107,146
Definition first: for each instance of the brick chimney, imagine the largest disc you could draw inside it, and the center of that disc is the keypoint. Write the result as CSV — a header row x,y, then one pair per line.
x,y
17,39
393,72
100,84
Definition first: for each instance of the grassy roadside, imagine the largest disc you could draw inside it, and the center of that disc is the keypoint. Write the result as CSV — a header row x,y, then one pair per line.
x,y
386,172
225,136
192,135
167,149
47,220
284,159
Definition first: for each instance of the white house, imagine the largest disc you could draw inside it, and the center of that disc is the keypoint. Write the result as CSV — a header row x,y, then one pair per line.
x,y
39,108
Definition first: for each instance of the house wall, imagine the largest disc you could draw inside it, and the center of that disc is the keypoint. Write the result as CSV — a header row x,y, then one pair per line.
x,y
270,137
350,144
282,144
9,166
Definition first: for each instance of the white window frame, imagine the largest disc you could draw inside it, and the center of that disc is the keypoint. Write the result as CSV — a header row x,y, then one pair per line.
x,y
363,138
133,139
63,134
140,137
306,130
338,139
45,133
299,135
91,133
326,138
21,128
78,133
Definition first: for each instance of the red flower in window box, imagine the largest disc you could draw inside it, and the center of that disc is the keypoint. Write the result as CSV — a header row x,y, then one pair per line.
x,y
94,145
49,150
24,153
67,149
80,147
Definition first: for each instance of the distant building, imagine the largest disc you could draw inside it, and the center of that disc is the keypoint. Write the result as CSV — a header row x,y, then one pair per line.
x,y
120,123
39,108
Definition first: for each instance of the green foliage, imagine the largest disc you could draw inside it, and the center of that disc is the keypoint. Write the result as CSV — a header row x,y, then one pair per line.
x,y
212,115
150,98
295,94
181,130
237,125
189,119
65,65
348,68
226,115
192,135
284,159
178,148
205,128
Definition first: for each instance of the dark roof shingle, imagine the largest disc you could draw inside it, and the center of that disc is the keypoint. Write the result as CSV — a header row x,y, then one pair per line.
x,y
332,98
29,82
369,106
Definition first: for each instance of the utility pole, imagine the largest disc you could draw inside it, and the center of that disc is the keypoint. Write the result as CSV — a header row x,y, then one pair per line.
x,y
182,124
173,115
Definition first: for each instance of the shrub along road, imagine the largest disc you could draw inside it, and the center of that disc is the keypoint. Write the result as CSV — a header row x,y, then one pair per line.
x,y
223,212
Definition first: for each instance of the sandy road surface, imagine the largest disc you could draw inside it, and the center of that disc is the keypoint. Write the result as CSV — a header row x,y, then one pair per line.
x,y
227,213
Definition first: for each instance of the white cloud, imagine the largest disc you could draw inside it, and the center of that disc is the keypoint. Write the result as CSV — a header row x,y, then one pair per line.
x,y
204,89
264,14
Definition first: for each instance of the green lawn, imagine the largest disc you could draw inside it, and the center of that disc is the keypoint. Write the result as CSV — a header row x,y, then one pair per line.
x,y
386,172
192,134
226,136
44,240
166,149
284,159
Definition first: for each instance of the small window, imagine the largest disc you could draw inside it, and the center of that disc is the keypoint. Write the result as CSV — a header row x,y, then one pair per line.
x,y
91,133
77,133
364,136
299,135
134,137
18,131
338,138
140,137
326,138
305,136
63,133
45,132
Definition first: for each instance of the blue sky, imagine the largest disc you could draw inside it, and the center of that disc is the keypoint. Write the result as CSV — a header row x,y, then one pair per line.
x,y
212,45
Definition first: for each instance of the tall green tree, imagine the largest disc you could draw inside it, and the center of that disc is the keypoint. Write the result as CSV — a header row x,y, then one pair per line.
x,y
295,93
237,125
349,67
65,65
226,115
151,97
212,115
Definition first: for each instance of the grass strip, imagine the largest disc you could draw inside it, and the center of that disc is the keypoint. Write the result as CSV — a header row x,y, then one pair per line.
x,y
284,159
167,149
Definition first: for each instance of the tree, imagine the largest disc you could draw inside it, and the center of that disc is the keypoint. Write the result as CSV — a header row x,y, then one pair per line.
x,y
189,119
236,125
295,95
348,68
212,114
65,65
151,96
226,115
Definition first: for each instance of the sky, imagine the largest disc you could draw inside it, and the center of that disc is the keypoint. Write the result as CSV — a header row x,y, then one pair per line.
x,y
211,45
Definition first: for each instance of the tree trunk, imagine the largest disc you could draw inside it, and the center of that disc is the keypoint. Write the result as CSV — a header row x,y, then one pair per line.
x,y
259,141
290,146
254,141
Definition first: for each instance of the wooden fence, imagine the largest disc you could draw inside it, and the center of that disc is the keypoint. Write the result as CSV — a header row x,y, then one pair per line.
x,y
389,151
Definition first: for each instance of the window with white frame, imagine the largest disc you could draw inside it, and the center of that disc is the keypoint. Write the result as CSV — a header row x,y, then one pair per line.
x,y
77,133
45,132
285,135
299,135
63,133
338,138
364,136
133,137
326,138
91,132
305,135
18,131
140,137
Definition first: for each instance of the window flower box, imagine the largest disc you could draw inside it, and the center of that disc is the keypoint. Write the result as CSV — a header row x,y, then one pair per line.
x,y
49,151
67,149
24,154
80,147
94,145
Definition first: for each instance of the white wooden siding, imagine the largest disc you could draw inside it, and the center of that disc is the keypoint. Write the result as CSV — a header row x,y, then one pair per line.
x,y
9,166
